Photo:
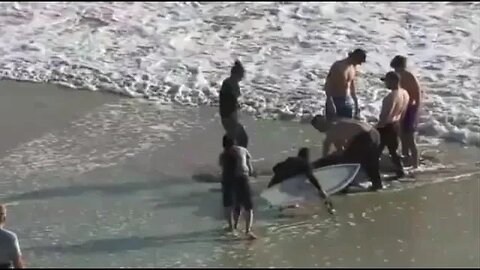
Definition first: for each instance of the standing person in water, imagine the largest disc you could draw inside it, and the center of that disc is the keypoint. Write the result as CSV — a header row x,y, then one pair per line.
x,y
393,109
10,254
237,167
229,105
409,124
340,86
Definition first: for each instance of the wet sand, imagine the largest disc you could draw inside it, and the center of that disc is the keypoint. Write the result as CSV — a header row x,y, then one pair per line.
x,y
102,181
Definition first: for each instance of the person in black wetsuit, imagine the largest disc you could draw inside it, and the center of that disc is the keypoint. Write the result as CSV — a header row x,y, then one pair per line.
x,y
355,142
229,94
293,166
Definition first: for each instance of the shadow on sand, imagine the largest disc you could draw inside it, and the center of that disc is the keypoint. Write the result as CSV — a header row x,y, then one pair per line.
x,y
136,243
107,189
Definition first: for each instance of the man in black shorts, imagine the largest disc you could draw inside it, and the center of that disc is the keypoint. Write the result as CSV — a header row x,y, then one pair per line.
x,y
236,167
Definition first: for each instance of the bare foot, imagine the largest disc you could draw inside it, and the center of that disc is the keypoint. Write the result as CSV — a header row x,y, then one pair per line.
x,y
251,236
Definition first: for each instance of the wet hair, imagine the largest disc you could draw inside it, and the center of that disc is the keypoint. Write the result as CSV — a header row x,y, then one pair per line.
x,y
359,54
237,68
391,76
227,142
399,61
303,152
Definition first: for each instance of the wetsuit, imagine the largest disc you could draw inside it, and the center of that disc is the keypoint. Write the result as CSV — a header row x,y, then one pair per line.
x,y
293,166
363,149
229,93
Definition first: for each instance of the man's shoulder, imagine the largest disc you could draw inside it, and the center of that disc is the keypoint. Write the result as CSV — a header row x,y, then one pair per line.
x,y
4,233
242,150
225,84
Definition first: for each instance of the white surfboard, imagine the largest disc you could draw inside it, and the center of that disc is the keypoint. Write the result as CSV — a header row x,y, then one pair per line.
x,y
298,189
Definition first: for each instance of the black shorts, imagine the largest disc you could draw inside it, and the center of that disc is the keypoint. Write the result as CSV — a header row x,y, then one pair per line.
x,y
237,192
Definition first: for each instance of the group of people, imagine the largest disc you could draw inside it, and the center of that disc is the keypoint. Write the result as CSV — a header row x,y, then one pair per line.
x,y
354,141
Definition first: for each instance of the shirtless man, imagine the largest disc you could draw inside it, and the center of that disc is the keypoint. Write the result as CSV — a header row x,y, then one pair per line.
x,y
236,168
229,93
340,86
394,106
409,124
360,140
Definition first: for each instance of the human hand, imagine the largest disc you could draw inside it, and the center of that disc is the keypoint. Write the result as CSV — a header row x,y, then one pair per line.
x,y
329,206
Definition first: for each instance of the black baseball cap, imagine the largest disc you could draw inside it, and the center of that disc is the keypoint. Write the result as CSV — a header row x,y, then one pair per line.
x,y
391,75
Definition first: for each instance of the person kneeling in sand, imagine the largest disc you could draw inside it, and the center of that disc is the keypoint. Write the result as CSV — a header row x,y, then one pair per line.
x,y
236,167
359,140
300,164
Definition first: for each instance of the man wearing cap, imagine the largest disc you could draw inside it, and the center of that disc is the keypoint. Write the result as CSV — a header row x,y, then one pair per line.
x,y
393,109
340,86
10,254
409,124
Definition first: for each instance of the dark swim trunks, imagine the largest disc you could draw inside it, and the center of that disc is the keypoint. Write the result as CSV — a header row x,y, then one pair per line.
x,y
410,119
343,105
243,192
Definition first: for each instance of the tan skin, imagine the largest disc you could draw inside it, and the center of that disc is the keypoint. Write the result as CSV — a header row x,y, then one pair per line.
x,y
410,83
340,82
394,105
341,132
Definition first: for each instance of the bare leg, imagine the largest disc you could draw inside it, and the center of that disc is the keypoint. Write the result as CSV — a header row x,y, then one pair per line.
x,y
412,146
236,216
248,225
405,147
229,216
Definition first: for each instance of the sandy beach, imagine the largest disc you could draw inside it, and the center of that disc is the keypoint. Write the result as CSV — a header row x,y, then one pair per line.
x,y
96,180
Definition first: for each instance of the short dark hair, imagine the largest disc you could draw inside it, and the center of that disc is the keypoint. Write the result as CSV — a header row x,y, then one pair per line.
x,y
227,142
237,68
303,152
399,61
391,75
361,54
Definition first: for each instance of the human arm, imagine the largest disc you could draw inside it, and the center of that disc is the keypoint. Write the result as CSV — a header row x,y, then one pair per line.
x,y
386,111
326,144
321,192
353,92
249,164
17,255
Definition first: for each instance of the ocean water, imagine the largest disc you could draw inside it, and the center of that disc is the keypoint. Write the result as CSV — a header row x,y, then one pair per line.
x,y
180,53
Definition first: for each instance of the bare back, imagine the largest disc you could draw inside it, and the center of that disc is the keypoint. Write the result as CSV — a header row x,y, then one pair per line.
x,y
339,79
410,83
344,130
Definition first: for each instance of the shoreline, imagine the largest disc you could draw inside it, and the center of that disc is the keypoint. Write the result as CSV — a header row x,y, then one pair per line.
x,y
114,178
